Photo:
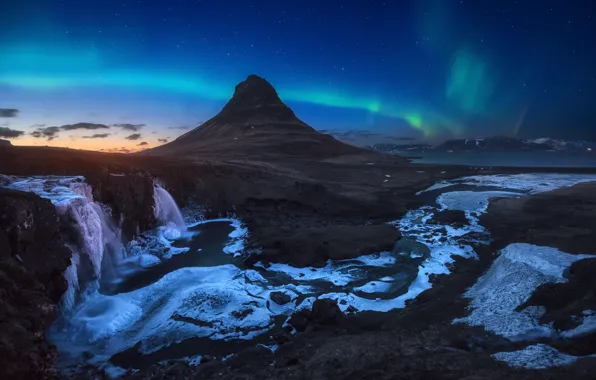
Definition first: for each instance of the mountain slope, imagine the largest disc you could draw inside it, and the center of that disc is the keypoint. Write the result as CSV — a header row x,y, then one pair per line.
x,y
255,122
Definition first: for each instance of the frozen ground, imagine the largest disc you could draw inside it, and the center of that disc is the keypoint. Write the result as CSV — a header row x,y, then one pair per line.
x,y
520,268
229,302
537,356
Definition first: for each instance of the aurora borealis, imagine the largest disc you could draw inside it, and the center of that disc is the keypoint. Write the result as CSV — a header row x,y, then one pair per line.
x,y
429,69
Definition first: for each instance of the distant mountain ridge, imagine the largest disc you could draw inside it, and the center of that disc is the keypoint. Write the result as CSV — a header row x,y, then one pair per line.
x,y
490,144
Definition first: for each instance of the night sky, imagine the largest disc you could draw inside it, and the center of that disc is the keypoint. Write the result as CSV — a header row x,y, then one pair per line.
x,y
125,75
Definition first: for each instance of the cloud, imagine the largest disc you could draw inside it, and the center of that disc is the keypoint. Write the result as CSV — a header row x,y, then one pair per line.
x,y
70,127
129,127
48,132
134,136
162,140
9,112
52,132
117,150
10,133
142,143
183,127
97,136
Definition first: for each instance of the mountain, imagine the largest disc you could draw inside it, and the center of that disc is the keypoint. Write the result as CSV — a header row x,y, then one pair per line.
x,y
497,143
400,148
489,144
255,122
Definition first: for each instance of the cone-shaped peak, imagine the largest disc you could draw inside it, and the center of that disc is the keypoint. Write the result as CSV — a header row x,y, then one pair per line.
x,y
256,100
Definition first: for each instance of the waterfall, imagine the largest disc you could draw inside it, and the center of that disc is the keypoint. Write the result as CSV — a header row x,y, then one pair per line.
x,y
99,246
166,210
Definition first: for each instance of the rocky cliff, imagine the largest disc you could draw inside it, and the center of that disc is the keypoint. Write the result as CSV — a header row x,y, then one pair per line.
x,y
32,259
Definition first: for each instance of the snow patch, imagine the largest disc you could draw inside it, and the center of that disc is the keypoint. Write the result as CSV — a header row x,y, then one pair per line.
x,y
527,183
520,269
537,356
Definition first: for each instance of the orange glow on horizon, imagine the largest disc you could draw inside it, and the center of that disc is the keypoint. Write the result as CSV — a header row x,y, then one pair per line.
x,y
108,144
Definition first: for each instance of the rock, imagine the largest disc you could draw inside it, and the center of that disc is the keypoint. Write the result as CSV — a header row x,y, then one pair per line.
x,y
31,285
565,301
455,218
314,246
130,197
280,339
280,298
299,320
5,144
561,218
325,311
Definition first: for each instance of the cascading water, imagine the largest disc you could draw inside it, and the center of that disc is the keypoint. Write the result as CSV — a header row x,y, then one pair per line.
x,y
166,210
99,246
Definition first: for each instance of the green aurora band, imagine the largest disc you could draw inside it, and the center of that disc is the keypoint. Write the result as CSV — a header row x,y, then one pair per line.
x,y
36,69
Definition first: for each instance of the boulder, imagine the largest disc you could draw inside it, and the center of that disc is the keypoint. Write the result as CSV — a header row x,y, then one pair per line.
x,y
325,312
280,298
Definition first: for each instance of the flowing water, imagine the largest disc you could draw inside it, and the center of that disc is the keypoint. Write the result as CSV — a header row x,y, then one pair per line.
x,y
180,292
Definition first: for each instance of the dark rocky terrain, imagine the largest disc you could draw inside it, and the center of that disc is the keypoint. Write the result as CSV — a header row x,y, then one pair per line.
x,y
420,342
304,197
33,257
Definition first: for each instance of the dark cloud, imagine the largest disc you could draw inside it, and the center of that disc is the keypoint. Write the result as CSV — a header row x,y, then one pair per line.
x,y
70,127
182,127
9,112
162,140
134,136
97,136
142,143
10,133
129,127
48,132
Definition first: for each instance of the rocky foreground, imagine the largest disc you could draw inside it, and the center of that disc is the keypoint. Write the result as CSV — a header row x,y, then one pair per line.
x,y
420,341
302,209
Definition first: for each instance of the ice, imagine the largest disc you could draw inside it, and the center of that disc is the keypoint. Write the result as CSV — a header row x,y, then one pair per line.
x,y
374,287
189,302
527,183
520,269
100,242
166,210
104,316
537,356
72,280
335,272
470,201
227,302
587,326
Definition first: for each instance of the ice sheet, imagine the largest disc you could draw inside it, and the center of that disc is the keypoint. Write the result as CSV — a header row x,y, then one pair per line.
x,y
520,269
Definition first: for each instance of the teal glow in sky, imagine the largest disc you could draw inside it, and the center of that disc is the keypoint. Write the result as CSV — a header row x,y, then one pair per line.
x,y
427,70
